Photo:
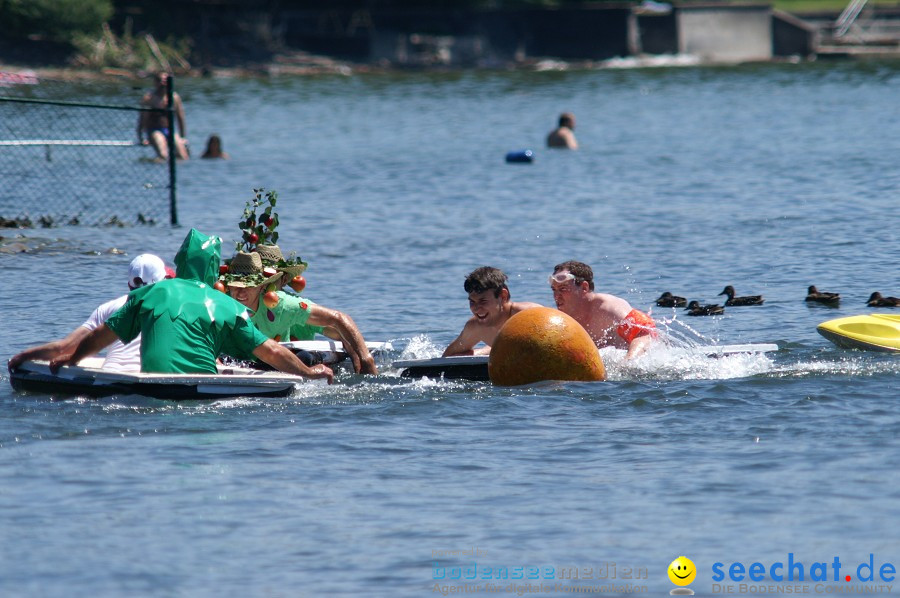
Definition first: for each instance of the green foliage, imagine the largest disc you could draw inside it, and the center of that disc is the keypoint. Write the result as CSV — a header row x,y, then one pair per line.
x,y
58,20
259,228
129,51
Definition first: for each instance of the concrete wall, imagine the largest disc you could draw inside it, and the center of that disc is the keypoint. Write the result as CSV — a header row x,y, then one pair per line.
x,y
725,34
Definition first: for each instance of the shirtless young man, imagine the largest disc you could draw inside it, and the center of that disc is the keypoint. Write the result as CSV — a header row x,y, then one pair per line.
x,y
155,125
563,136
491,308
610,320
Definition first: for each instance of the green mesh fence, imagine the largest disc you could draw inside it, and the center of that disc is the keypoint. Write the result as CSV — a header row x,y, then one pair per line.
x,y
67,163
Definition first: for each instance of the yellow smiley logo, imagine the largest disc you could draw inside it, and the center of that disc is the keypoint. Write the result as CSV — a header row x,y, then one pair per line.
x,y
682,571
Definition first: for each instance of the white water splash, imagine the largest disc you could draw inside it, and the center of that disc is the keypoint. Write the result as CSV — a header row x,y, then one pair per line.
x,y
668,362
420,347
683,353
856,364
660,60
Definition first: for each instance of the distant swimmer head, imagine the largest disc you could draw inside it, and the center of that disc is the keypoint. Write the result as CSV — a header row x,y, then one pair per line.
x,y
567,119
214,148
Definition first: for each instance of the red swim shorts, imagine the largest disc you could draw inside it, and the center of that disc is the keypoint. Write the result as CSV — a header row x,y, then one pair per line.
x,y
635,324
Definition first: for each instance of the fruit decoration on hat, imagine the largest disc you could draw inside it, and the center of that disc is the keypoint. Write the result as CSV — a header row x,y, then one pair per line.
x,y
259,228
259,234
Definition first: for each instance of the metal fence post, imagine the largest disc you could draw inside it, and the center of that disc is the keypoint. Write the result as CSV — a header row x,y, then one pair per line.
x,y
170,138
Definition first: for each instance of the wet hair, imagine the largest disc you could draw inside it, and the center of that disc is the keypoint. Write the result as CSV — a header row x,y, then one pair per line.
x,y
567,119
581,271
213,147
486,279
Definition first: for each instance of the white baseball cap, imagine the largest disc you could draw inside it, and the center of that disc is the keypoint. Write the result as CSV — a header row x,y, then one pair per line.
x,y
145,269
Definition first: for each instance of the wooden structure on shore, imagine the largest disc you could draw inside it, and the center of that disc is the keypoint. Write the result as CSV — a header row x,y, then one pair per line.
x,y
711,32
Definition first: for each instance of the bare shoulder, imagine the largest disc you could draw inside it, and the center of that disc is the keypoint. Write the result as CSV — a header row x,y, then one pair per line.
x,y
612,305
471,333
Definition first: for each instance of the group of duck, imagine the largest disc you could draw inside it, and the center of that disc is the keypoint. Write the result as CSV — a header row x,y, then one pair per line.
x,y
694,308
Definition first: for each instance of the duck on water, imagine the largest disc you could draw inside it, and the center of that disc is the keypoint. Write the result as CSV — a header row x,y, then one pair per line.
x,y
736,301
695,309
814,295
876,300
667,299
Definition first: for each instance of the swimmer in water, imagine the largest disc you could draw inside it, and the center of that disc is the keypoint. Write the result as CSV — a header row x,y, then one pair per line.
x,y
609,320
491,308
563,136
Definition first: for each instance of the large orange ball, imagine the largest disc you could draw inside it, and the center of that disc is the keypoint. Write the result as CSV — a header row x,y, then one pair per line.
x,y
542,343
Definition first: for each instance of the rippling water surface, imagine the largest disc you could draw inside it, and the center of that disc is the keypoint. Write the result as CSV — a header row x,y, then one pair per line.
x,y
394,187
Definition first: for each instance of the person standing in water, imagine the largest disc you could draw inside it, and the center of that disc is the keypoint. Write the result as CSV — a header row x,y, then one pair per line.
x,y
153,125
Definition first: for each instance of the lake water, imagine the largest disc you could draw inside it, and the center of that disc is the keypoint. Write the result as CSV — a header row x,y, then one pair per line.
x,y
393,188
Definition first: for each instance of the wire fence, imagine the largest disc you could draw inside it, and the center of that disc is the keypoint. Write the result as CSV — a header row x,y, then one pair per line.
x,y
69,163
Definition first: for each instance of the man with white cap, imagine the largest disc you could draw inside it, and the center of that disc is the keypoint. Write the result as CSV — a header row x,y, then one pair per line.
x,y
185,323
145,269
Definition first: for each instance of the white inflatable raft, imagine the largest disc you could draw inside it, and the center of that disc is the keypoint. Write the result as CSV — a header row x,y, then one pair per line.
x,y
88,378
475,367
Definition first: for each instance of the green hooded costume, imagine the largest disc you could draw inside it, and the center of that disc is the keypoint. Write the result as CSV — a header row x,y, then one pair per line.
x,y
184,322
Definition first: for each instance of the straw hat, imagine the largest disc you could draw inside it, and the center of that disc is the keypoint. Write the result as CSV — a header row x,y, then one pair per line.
x,y
246,270
293,270
270,253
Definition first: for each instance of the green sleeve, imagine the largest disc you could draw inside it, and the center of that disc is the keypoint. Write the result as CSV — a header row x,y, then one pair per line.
x,y
297,309
305,332
300,328
125,323
245,339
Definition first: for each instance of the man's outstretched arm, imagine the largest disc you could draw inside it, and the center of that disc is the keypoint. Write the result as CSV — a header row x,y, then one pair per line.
x,y
96,340
284,360
351,338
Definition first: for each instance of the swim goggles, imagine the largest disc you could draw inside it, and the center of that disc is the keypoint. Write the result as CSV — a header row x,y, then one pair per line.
x,y
560,277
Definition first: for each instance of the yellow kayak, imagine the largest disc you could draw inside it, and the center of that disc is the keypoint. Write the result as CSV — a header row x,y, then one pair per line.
x,y
873,332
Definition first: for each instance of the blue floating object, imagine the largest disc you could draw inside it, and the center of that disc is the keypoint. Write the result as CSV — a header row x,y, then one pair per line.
x,y
523,156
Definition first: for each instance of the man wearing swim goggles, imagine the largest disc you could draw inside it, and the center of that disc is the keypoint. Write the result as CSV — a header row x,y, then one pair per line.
x,y
610,320
491,307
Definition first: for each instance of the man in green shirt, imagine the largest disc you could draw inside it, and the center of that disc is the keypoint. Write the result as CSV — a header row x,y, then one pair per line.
x,y
185,323
285,317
